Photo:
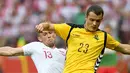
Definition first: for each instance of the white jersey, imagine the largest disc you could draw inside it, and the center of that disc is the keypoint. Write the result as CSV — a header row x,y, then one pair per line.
x,y
46,60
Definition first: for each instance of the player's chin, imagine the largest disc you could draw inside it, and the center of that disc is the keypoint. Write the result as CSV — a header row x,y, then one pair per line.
x,y
93,30
51,44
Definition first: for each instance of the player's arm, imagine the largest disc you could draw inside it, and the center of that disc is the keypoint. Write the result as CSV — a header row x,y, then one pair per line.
x,y
45,26
10,51
123,48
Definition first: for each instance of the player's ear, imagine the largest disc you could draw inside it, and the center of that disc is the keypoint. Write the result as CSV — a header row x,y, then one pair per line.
x,y
54,35
39,38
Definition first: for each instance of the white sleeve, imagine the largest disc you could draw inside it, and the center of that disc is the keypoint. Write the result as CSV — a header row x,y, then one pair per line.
x,y
62,51
31,48
28,49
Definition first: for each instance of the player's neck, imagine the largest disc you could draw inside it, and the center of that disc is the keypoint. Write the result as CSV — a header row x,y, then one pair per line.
x,y
53,47
85,27
87,30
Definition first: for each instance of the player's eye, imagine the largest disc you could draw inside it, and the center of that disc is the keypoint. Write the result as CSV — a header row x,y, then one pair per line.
x,y
50,32
98,20
91,19
44,34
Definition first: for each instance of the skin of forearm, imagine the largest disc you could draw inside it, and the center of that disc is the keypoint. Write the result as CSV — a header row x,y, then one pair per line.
x,y
126,49
46,26
6,51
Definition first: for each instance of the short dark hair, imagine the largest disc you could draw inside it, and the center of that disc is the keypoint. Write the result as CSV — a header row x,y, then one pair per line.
x,y
96,9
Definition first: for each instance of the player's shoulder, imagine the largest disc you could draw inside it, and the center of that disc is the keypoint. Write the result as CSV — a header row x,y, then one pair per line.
x,y
101,31
60,49
75,25
35,43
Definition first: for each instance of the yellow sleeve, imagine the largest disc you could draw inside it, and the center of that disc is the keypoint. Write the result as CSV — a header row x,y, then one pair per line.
x,y
111,42
62,30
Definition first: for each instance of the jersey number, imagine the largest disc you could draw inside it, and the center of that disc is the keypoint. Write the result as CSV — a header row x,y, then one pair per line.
x,y
82,46
48,54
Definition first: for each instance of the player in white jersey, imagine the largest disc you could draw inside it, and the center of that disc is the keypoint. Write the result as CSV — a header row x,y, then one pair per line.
x,y
45,56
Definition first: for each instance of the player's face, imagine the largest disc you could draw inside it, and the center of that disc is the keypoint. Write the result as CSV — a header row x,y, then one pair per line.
x,y
93,21
47,37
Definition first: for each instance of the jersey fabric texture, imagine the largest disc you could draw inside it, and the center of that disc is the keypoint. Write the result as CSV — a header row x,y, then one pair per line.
x,y
85,49
46,60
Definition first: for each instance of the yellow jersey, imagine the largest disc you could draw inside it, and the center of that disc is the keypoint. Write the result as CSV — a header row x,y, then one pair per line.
x,y
85,49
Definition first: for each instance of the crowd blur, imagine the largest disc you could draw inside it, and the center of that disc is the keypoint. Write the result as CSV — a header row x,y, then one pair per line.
x,y
19,17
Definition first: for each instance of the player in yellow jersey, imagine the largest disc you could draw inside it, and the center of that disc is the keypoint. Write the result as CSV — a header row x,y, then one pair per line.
x,y
85,43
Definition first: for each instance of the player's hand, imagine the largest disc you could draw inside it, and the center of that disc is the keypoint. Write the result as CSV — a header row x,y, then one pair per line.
x,y
42,26
39,27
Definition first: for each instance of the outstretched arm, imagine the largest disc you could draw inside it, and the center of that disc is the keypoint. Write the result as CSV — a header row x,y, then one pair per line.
x,y
123,48
10,51
45,26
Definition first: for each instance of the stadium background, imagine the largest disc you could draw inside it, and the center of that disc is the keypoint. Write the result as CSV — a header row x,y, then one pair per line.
x,y
19,17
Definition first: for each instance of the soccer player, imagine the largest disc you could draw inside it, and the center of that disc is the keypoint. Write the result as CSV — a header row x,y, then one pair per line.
x,y
86,43
45,56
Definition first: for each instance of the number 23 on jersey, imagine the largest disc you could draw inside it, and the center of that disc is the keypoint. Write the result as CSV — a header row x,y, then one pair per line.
x,y
83,48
